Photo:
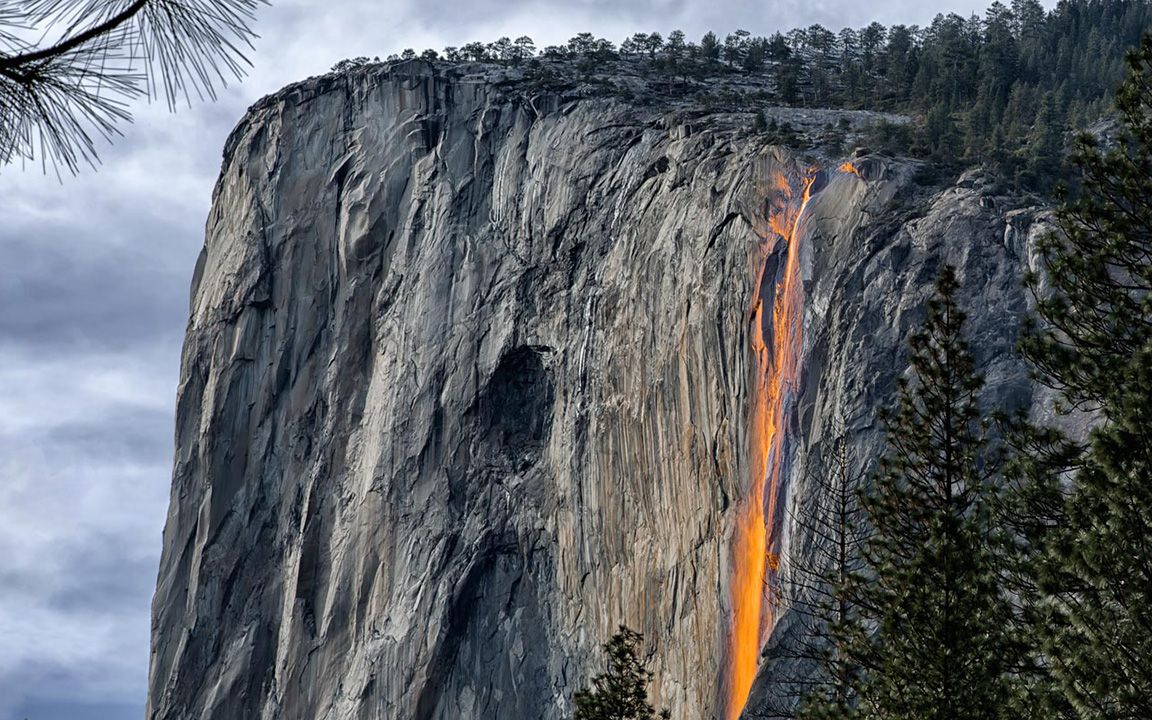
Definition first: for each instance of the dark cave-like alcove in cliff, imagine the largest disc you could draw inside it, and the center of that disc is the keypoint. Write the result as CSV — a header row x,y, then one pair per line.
x,y
515,409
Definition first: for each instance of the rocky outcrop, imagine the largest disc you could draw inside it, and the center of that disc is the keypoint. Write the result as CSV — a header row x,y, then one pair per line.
x,y
866,297
465,386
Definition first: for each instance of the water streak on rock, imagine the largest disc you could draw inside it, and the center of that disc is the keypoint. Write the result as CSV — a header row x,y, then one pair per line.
x,y
777,342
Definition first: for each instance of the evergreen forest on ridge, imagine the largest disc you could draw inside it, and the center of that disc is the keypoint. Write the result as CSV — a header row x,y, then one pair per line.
x,y
1007,89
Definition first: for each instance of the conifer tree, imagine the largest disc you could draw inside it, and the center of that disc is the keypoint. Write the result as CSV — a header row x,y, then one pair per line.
x,y
821,586
931,634
69,68
1092,566
621,692
1033,506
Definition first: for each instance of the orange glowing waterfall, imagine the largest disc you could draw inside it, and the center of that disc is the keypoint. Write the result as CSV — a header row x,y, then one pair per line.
x,y
756,536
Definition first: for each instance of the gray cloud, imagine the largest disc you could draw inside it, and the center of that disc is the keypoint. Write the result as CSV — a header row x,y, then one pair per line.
x,y
94,275
74,296
85,445
71,710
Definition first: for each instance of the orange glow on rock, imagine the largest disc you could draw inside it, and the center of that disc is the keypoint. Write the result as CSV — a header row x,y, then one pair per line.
x,y
756,536
848,167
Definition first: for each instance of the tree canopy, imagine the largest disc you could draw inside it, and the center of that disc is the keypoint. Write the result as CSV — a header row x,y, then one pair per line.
x,y
1086,550
621,691
1005,89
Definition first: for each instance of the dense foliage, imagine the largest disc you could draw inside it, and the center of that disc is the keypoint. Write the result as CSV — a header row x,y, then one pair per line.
x,y
1003,89
930,630
621,691
1088,551
1032,599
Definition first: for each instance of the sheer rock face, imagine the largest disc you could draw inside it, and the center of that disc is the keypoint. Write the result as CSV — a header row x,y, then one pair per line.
x,y
465,384
867,297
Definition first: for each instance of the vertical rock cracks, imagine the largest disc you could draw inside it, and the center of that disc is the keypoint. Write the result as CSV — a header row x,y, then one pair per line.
x,y
777,344
471,379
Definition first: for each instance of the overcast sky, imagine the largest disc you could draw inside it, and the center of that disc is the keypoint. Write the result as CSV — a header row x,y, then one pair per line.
x,y
94,275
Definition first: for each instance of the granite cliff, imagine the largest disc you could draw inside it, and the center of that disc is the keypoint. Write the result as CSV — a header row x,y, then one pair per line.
x,y
467,382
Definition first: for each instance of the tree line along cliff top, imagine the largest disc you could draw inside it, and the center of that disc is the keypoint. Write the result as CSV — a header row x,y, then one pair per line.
x,y
1007,90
